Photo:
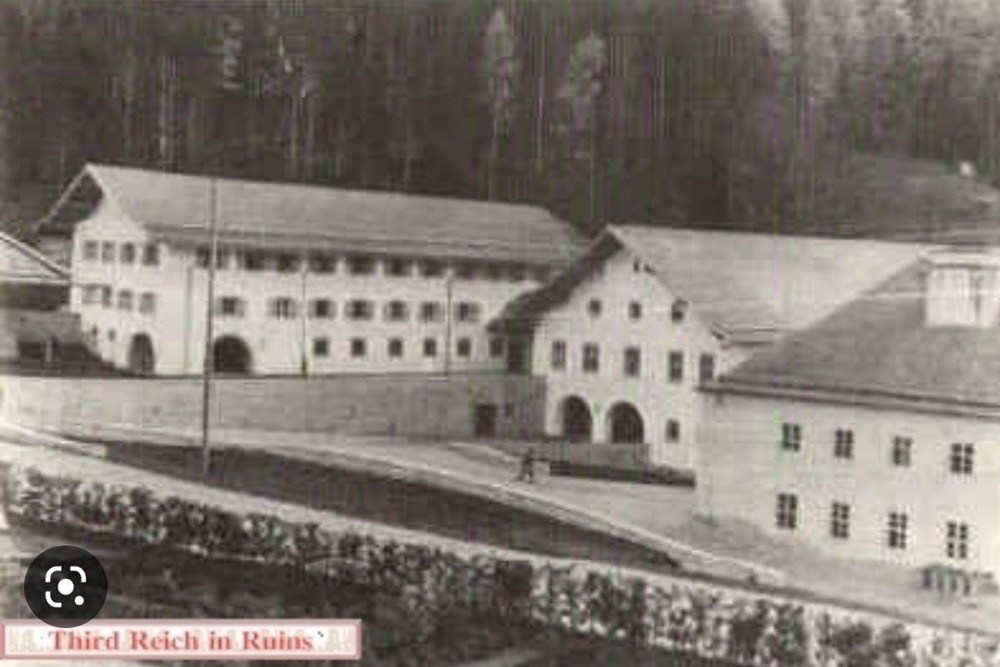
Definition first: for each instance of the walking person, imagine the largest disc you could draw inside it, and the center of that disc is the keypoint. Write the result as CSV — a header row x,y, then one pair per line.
x,y
527,473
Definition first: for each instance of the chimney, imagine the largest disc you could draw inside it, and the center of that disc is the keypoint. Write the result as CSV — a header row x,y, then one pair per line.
x,y
963,288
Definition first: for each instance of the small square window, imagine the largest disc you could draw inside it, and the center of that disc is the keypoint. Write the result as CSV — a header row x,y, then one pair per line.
x,y
468,312
230,306
321,347
464,348
321,309
594,307
322,263
676,366
397,311
128,253
252,260
283,308
431,269
591,358
902,451
287,263
430,347
496,348
359,347
634,310
962,456
151,254
360,310
360,266
107,252
558,361
395,348
202,257
431,311
673,430
677,311
398,267
632,362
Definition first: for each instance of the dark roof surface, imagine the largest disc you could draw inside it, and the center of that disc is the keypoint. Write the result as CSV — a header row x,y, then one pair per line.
x,y
878,346
749,287
176,207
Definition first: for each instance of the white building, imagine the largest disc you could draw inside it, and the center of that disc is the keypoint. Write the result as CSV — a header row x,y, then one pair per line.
x,y
626,334
873,434
309,279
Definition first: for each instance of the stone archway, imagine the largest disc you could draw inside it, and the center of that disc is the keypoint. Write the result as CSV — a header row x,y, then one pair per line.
x,y
141,356
231,355
625,424
577,424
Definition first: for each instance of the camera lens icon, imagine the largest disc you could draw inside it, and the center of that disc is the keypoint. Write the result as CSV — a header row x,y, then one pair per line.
x,y
65,586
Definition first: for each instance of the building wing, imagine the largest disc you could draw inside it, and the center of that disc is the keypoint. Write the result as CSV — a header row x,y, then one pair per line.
x,y
20,264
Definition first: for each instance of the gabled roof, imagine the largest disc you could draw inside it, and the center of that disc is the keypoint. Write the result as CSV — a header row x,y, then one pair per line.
x,y
749,288
878,350
23,265
176,207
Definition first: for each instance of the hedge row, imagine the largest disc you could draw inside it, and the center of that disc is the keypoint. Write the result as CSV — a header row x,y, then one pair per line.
x,y
437,586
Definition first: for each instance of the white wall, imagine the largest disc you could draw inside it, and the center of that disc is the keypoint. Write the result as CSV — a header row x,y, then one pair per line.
x,y
658,399
742,467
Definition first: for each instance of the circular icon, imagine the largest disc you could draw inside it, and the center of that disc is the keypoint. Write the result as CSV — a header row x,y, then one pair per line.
x,y
65,586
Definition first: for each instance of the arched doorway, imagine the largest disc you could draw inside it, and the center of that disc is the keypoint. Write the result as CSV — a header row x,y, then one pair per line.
x,y
625,424
141,358
577,424
230,355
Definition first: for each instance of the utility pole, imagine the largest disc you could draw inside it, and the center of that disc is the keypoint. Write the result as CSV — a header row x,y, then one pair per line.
x,y
209,367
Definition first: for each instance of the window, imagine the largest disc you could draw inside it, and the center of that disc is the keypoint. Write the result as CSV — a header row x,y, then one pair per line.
x,y
558,360
252,260
468,312
840,521
359,348
430,347
321,309
395,348
902,451
791,437
90,250
706,368
321,347
125,300
896,536
282,308
151,254
677,310
637,266
147,303
591,358
90,294
594,307
106,296
962,458
398,268
843,443
230,306
464,348
360,266
787,511
496,348
673,430
431,311
397,311
322,263
957,540
202,257
360,310
107,252
431,269
676,366
632,361
634,310
465,271
128,253
287,263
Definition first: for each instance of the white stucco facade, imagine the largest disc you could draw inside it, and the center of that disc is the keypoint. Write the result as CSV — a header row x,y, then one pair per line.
x,y
176,285
620,285
742,467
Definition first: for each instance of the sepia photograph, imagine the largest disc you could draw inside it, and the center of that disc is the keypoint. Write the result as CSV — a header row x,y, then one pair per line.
x,y
500,333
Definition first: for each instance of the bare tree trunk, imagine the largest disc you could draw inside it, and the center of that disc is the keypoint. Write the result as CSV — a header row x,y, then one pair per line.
x,y
166,116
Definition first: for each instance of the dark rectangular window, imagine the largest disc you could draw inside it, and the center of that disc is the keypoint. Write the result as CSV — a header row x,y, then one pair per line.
x,y
962,458
321,347
321,309
840,521
128,253
791,437
496,348
322,263
902,451
465,271
395,348
632,362
151,254
673,430
591,358
359,347
787,511
430,347
202,257
464,348
843,443
957,540
107,252
397,311
230,306
283,308
431,269
106,296
676,366
125,300
360,310
90,250
897,529
287,263
398,267
594,307
634,310
431,311
706,368
468,312
558,355
252,260
360,266
677,310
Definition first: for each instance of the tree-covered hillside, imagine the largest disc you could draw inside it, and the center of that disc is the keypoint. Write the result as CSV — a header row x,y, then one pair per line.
x,y
642,110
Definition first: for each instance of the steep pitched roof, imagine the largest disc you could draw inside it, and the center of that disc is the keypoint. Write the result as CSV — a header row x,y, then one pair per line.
x,y
877,349
176,207
748,287
21,264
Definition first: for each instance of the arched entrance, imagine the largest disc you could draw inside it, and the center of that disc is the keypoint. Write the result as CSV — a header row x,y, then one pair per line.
x,y
230,355
141,358
577,424
625,424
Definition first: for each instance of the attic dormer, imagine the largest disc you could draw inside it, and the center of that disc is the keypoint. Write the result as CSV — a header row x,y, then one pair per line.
x,y
963,288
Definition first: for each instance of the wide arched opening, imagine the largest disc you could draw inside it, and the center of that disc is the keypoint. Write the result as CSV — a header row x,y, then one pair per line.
x,y
625,424
577,424
230,355
141,357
